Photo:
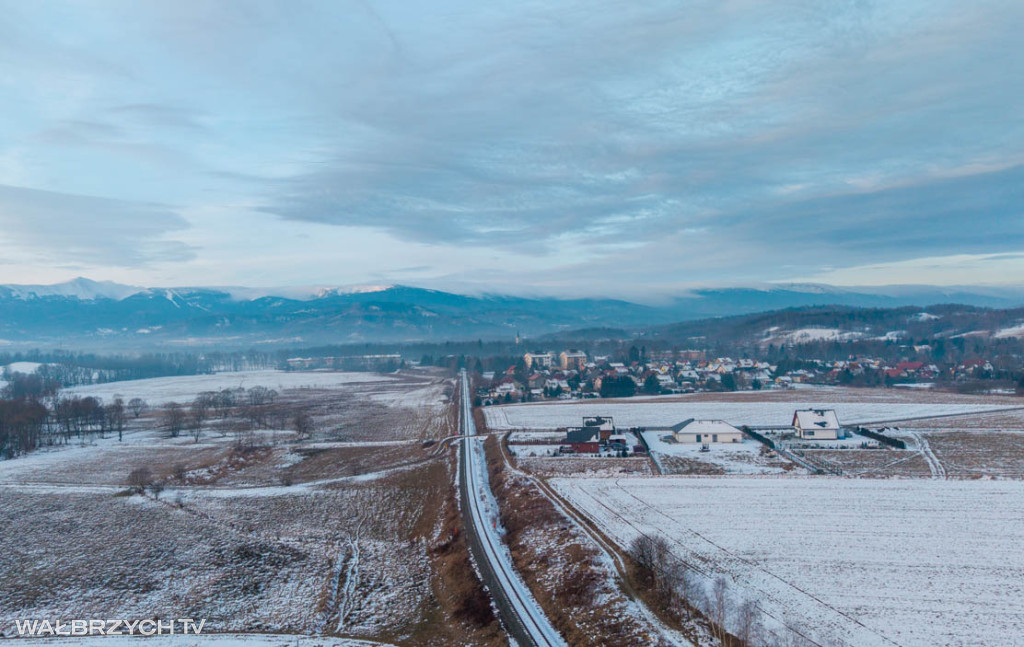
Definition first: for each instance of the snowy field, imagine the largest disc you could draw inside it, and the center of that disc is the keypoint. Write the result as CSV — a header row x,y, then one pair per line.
x,y
160,390
653,413
858,563
255,530
721,458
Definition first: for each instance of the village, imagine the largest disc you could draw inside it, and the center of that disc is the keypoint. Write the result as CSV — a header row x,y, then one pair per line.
x,y
575,374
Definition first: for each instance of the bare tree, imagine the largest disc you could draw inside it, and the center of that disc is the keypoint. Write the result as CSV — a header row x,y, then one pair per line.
x,y
137,406
257,401
720,604
748,622
303,425
116,417
197,415
173,419
690,590
139,478
643,550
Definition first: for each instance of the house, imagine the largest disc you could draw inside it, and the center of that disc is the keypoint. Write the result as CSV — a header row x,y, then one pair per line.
x,y
706,432
583,441
816,424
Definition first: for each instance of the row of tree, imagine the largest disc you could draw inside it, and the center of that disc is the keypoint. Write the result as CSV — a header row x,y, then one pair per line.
x,y
686,593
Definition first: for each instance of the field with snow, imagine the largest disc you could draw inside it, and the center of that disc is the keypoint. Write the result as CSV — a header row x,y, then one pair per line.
x,y
256,530
160,390
850,562
654,412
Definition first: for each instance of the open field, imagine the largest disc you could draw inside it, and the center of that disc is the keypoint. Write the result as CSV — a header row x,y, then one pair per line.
x,y
740,411
813,392
256,530
875,463
576,466
978,454
159,390
245,563
854,562
994,421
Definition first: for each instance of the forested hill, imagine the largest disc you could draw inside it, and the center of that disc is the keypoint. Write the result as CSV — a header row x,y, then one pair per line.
x,y
106,317
839,331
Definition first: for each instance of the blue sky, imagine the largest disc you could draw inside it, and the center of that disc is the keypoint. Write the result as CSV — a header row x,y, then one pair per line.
x,y
526,147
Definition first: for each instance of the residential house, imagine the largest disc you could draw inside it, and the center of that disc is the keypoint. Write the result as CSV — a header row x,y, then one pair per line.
x,y
706,432
583,441
816,424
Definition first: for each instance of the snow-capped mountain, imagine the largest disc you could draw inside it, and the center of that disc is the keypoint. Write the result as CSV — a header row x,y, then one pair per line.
x,y
80,288
89,314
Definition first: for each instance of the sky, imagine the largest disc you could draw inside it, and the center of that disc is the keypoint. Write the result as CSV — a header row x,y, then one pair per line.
x,y
553,147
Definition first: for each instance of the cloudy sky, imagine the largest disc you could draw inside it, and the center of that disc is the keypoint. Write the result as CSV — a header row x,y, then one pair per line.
x,y
527,147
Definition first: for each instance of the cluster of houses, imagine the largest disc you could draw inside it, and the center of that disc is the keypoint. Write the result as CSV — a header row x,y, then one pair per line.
x,y
575,374
598,434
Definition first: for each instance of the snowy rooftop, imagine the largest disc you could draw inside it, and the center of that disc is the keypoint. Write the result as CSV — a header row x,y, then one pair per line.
x,y
693,426
819,418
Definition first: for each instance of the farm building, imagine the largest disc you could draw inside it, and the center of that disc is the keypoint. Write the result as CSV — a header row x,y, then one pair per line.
x,y
816,424
706,431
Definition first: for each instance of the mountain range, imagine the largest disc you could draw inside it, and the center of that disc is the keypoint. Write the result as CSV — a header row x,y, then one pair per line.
x,y
92,315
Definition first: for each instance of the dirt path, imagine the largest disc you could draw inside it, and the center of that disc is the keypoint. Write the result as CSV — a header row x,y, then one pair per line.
x,y
934,464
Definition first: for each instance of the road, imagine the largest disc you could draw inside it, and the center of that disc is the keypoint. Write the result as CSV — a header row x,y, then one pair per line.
x,y
522,616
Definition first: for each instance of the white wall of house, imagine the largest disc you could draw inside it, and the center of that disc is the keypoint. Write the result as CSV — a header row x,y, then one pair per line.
x,y
710,438
817,434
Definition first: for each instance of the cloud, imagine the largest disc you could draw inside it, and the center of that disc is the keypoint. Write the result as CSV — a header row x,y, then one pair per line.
x,y
645,144
782,123
158,116
74,229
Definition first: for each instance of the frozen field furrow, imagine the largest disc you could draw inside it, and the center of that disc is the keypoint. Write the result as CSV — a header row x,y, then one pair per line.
x,y
914,563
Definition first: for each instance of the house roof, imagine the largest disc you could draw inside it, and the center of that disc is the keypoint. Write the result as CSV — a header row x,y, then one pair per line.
x,y
693,426
584,435
816,419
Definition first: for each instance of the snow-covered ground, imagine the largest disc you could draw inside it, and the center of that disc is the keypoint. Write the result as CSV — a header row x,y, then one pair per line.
x,y
651,413
431,395
160,390
731,458
808,335
854,562
21,367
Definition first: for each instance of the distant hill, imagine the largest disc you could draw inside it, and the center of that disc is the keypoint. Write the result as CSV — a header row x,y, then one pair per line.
x,y
829,324
90,315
